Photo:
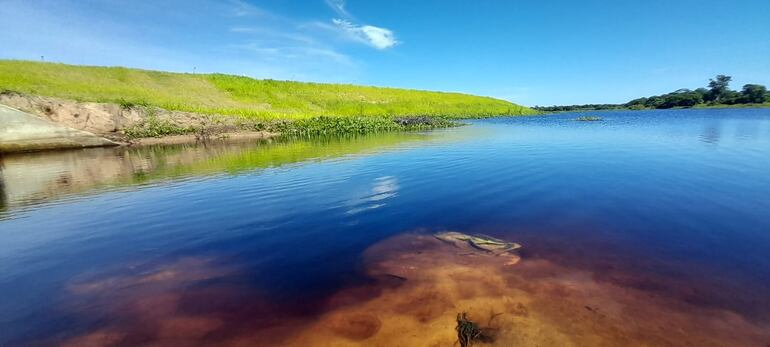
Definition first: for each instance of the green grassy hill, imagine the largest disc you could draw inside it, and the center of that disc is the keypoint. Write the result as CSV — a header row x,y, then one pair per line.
x,y
239,96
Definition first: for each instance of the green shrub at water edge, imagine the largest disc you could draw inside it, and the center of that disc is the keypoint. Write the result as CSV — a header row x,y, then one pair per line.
x,y
152,126
356,125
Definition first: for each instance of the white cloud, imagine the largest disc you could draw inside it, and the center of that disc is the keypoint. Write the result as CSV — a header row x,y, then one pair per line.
x,y
376,37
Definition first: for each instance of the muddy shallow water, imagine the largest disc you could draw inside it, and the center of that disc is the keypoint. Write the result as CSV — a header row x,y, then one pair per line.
x,y
647,228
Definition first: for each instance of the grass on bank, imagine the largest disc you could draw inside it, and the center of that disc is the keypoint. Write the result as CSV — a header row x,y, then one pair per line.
x,y
241,96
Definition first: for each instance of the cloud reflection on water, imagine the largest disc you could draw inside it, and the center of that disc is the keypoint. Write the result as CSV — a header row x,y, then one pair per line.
x,y
383,188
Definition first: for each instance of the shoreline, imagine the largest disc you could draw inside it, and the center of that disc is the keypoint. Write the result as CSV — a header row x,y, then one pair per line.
x,y
190,139
697,107
54,122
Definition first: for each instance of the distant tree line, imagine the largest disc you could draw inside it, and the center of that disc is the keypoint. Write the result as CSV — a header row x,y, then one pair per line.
x,y
586,107
717,93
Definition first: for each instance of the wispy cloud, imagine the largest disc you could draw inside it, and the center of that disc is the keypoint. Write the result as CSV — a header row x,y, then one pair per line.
x,y
293,53
282,36
377,37
339,7
241,8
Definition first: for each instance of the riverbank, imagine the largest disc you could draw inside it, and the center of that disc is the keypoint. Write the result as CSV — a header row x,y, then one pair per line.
x,y
66,122
33,123
132,106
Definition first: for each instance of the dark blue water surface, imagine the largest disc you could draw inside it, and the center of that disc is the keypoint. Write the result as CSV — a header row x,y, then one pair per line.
x,y
675,202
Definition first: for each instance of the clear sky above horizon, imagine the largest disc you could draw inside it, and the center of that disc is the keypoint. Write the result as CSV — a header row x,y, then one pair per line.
x,y
529,52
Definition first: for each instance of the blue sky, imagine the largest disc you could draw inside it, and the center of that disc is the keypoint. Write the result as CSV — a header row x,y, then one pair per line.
x,y
530,52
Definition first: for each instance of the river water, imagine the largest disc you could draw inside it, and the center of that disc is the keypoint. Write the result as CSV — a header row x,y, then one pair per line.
x,y
645,228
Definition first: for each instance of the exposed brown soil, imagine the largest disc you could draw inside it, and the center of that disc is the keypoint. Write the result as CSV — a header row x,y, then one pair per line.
x,y
110,120
96,118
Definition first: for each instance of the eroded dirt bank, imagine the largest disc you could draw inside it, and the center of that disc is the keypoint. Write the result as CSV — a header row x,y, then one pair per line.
x,y
418,286
132,124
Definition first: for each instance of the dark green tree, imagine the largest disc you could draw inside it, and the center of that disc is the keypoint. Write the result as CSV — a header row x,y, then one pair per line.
x,y
730,97
718,87
718,93
753,93
703,93
637,103
681,98
654,101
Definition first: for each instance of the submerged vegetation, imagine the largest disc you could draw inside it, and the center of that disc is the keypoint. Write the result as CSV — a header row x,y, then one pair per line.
x,y
467,330
242,96
470,332
718,94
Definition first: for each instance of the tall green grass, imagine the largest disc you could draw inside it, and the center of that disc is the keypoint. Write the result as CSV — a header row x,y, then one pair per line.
x,y
240,96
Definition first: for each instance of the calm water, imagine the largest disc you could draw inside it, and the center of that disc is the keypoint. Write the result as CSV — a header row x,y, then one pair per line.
x,y
674,203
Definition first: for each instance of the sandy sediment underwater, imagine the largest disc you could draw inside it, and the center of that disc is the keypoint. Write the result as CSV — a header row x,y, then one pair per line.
x,y
419,284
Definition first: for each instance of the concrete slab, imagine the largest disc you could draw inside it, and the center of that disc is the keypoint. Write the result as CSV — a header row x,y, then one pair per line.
x,y
21,132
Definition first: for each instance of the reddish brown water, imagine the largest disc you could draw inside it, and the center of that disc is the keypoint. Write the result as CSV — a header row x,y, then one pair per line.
x,y
417,287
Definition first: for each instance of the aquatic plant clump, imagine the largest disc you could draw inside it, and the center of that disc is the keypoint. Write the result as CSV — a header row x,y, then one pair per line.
x,y
467,330
355,125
